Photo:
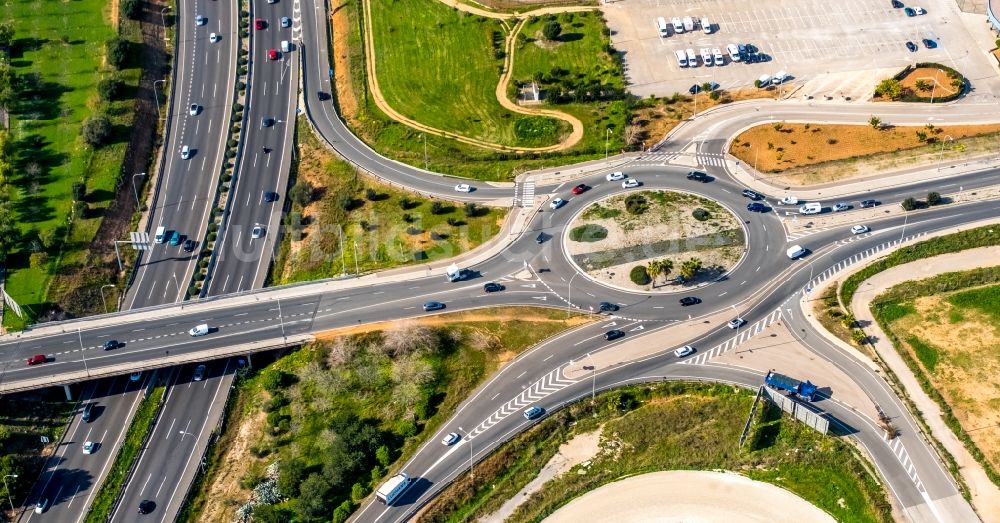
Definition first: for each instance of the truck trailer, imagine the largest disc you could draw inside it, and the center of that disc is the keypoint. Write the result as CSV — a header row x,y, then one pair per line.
x,y
455,273
393,488
805,390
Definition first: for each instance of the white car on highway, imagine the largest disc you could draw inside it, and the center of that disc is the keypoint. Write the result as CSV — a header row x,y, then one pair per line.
x,y
557,203
450,439
859,229
683,351
185,152
463,187
630,183
615,176
89,447
213,37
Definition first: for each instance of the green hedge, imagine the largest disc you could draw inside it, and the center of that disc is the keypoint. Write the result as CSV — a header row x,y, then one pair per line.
x,y
589,232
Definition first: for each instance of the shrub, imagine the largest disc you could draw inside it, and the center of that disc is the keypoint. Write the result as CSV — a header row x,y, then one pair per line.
x,y
301,193
701,214
370,194
437,208
909,204
551,30
636,204
273,380
130,8
589,232
110,88
889,88
96,131
933,198
639,275
472,210
118,51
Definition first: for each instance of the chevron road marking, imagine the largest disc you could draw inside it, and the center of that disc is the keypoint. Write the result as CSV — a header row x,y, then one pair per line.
x,y
548,384
856,258
744,335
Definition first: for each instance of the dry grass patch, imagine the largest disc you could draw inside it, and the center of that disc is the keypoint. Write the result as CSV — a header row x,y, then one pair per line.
x,y
655,121
781,146
927,81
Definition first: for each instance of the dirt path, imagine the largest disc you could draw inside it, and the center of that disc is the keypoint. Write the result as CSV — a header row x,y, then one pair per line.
x,y
501,91
985,494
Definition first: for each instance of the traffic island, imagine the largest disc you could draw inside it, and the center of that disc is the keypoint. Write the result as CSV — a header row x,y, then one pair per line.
x,y
655,241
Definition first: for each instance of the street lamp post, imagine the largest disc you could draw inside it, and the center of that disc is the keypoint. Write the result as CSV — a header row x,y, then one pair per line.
x,y
593,371
281,320
357,271
569,301
163,20
607,136
9,499
156,97
468,437
424,136
103,300
83,351
934,87
135,191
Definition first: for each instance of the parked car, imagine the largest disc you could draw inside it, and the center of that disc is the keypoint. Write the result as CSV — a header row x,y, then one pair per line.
x,y
752,195
433,306
697,176
756,207
450,439
463,187
615,176
690,300
734,52
911,46
533,412
684,351
630,183
557,203
919,10
605,306
930,44
613,334
717,57
492,287
706,56
910,11
841,206
859,229
199,373
580,189
736,323
897,4
36,359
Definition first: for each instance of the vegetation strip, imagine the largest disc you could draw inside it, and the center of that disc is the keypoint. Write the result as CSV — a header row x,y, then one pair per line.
x,y
668,426
140,428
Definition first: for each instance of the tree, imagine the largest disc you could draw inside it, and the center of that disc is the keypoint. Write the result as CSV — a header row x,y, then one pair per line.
x,y
130,8
472,210
79,190
314,498
690,268
666,267
96,131
437,207
272,514
654,268
301,193
118,51
922,136
8,84
342,512
8,230
382,456
889,88
909,204
933,198
6,34
758,84
875,122
551,30
110,88
639,275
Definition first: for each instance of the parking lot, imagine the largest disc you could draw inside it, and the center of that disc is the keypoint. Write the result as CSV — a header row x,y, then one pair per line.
x,y
834,50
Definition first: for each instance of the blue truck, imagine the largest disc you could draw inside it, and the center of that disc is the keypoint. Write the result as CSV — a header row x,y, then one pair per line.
x,y
803,389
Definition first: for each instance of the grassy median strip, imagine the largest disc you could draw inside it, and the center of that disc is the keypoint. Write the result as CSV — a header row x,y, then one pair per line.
x,y
100,509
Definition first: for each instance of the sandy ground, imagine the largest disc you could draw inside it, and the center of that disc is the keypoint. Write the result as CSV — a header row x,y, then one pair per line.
x,y
668,221
579,449
223,492
689,496
985,494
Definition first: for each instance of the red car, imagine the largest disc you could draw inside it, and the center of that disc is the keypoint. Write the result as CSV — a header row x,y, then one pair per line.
x,y
36,359
259,24
580,189
272,54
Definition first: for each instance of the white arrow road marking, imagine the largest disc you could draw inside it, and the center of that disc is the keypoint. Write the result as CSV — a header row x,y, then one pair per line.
x,y
530,285
543,298
612,324
639,328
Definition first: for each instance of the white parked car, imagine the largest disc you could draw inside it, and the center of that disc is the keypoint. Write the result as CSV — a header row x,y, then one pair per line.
x,y
684,351
463,187
706,26
615,176
213,37
682,59
450,439
919,10
678,26
557,203
734,52
630,183
692,58
717,56
779,78
859,229
706,55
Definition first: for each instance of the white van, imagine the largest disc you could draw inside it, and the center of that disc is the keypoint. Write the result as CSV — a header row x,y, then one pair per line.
x,y
161,234
811,208
678,26
692,58
779,78
661,24
682,59
794,252
284,46
688,23
199,330
706,25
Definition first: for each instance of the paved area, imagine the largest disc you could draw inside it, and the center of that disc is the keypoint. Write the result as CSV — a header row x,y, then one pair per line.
x,y
689,496
985,494
838,53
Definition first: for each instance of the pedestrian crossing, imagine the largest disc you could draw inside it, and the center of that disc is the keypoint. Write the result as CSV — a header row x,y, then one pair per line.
x,y
856,258
548,384
524,194
683,158
743,335
897,448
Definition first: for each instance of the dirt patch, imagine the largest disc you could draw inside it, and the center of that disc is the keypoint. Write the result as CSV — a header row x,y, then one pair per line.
x,y
579,450
667,229
928,81
453,318
225,483
968,347
341,21
653,123
782,146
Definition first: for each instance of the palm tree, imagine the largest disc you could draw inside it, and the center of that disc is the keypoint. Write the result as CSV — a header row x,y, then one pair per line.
x,y
666,266
690,268
654,268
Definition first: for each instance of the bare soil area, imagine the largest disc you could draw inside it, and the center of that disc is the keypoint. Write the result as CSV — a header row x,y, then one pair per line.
x,y
938,82
782,146
225,484
667,229
653,123
341,23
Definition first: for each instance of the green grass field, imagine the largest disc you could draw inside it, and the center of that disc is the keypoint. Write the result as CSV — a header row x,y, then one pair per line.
x,y
389,227
23,419
579,49
58,53
444,155
437,65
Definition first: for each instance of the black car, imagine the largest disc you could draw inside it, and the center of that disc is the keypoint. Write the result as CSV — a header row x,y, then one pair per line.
x,y
540,238
433,306
930,44
897,4
753,58
266,121
189,246
613,334
763,57
146,506
756,207
492,287
697,176
690,300
111,345
322,96
911,46
752,195
270,196
752,49
607,306
694,89
869,203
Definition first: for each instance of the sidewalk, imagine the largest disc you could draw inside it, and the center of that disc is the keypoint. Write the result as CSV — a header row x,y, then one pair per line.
x,y
985,494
